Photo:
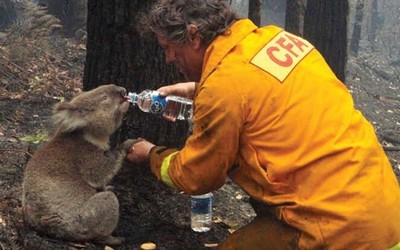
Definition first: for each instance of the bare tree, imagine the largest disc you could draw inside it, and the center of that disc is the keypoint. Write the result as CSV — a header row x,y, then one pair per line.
x,y
294,17
273,12
374,21
255,11
72,14
325,25
7,14
356,35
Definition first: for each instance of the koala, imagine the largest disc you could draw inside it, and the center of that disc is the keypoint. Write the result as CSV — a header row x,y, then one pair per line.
x,y
64,186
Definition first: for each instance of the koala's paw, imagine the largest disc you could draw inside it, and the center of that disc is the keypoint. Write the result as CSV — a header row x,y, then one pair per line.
x,y
127,144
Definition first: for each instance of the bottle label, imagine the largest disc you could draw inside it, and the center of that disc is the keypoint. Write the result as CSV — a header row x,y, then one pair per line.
x,y
201,205
158,104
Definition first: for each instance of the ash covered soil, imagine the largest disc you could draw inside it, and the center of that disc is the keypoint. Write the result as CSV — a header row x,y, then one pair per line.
x,y
150,211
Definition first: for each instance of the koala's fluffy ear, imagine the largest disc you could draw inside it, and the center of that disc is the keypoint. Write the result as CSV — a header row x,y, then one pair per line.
x,y
68,117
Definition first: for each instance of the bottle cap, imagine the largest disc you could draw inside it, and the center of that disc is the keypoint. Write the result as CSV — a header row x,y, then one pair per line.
x,y
133,97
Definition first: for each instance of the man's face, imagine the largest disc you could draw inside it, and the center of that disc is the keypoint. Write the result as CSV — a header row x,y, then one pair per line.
x,y
187,57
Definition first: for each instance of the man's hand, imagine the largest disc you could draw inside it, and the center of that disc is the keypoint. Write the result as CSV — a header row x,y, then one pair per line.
x,y
184,89
140,151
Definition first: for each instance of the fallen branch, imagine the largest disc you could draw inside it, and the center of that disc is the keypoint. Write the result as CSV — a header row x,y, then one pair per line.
x,y
16,150
391,148
16,66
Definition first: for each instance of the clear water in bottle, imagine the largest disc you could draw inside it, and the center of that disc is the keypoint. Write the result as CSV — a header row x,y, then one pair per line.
x,y
201,212
179,107
150,101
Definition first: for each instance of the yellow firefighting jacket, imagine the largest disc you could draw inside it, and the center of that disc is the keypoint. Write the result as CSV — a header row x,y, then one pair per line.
x,y
271,114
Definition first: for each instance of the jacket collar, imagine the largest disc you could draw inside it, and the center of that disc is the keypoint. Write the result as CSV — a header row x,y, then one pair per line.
x,y
223,44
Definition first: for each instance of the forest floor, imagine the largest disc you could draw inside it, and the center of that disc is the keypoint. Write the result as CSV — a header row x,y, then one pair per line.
x,y
33,80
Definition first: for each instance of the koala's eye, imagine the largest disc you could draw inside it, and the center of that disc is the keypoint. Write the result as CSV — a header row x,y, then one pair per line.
x,y
105,97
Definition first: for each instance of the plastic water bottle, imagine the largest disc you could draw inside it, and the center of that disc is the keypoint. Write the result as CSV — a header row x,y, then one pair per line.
x,y
150,101
201,212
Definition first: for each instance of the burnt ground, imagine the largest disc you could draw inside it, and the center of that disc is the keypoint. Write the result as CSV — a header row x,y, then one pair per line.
x,y
150,212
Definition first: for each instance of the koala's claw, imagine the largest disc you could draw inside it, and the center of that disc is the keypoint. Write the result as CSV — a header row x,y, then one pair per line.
x,y
127,144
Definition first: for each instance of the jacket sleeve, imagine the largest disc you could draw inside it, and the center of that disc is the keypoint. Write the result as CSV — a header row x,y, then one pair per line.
x,y
202,164
160,158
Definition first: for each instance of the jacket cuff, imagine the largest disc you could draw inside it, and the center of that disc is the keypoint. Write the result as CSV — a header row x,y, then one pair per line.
x,y
157,156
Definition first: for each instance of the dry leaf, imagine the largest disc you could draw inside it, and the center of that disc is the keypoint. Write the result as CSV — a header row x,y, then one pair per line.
x,y
210,245
148,246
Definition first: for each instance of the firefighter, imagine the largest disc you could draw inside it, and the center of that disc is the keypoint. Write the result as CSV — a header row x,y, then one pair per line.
x,y
270,114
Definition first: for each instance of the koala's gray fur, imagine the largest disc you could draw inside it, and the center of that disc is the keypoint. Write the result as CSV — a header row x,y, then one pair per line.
x,y
64,186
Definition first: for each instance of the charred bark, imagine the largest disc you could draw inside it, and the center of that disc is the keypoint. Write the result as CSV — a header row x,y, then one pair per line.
x,y
7,14
72,13
294,17
325,25
255,11
356,35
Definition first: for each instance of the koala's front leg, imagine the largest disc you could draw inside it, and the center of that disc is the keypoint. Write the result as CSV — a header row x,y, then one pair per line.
x,y
110,163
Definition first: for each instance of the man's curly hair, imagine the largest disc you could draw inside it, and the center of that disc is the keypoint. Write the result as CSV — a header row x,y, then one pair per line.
x,y
171,19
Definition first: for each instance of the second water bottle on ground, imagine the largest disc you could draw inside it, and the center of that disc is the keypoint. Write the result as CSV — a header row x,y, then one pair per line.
x,y
201,212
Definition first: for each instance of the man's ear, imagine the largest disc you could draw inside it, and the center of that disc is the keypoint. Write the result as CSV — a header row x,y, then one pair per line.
x,y
194,36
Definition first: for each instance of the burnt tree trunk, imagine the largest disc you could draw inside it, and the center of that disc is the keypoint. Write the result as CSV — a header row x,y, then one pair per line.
x,y
116,53
72,14
325,25
356,35
374,22
294,17
7,14
255,11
